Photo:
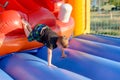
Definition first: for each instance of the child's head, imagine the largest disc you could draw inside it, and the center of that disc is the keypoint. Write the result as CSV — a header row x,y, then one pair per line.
x,y
64,41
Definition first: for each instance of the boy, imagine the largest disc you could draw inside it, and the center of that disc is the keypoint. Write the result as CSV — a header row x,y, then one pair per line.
x,y
42,33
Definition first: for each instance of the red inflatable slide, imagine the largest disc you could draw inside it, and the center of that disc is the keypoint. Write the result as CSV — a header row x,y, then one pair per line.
x,y
12,37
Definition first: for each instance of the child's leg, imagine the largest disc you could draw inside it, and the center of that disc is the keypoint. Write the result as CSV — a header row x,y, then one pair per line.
x,y
63,53
27,28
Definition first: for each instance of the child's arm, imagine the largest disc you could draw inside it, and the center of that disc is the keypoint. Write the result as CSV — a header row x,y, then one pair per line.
x,y
27,27
63,53
49,57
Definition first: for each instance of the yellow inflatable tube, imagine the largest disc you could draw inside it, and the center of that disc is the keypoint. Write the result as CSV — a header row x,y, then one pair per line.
x,y
81,15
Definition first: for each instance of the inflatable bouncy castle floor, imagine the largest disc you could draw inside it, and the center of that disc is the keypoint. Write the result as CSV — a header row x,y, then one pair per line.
x,y
89,57
95,58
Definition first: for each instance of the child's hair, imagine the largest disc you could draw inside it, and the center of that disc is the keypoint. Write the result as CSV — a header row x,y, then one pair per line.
x,y
64,41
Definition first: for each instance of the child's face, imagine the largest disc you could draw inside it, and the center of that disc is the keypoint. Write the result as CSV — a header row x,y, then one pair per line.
x,y
65,42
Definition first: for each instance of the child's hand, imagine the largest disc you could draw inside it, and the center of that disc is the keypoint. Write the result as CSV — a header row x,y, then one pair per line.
x,y
64,55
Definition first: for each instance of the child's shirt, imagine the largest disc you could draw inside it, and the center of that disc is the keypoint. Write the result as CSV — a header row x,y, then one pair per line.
x,y
47,36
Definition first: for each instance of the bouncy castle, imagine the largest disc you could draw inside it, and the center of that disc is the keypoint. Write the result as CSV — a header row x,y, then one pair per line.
x,y
89,57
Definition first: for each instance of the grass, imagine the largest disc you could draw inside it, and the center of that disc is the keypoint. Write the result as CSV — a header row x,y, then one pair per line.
x,y
104,23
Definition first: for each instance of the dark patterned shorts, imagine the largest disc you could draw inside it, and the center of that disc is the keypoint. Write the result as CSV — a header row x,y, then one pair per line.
x,y
35,34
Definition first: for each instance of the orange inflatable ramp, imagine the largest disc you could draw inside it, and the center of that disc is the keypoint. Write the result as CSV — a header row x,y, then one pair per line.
x,y
12,36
